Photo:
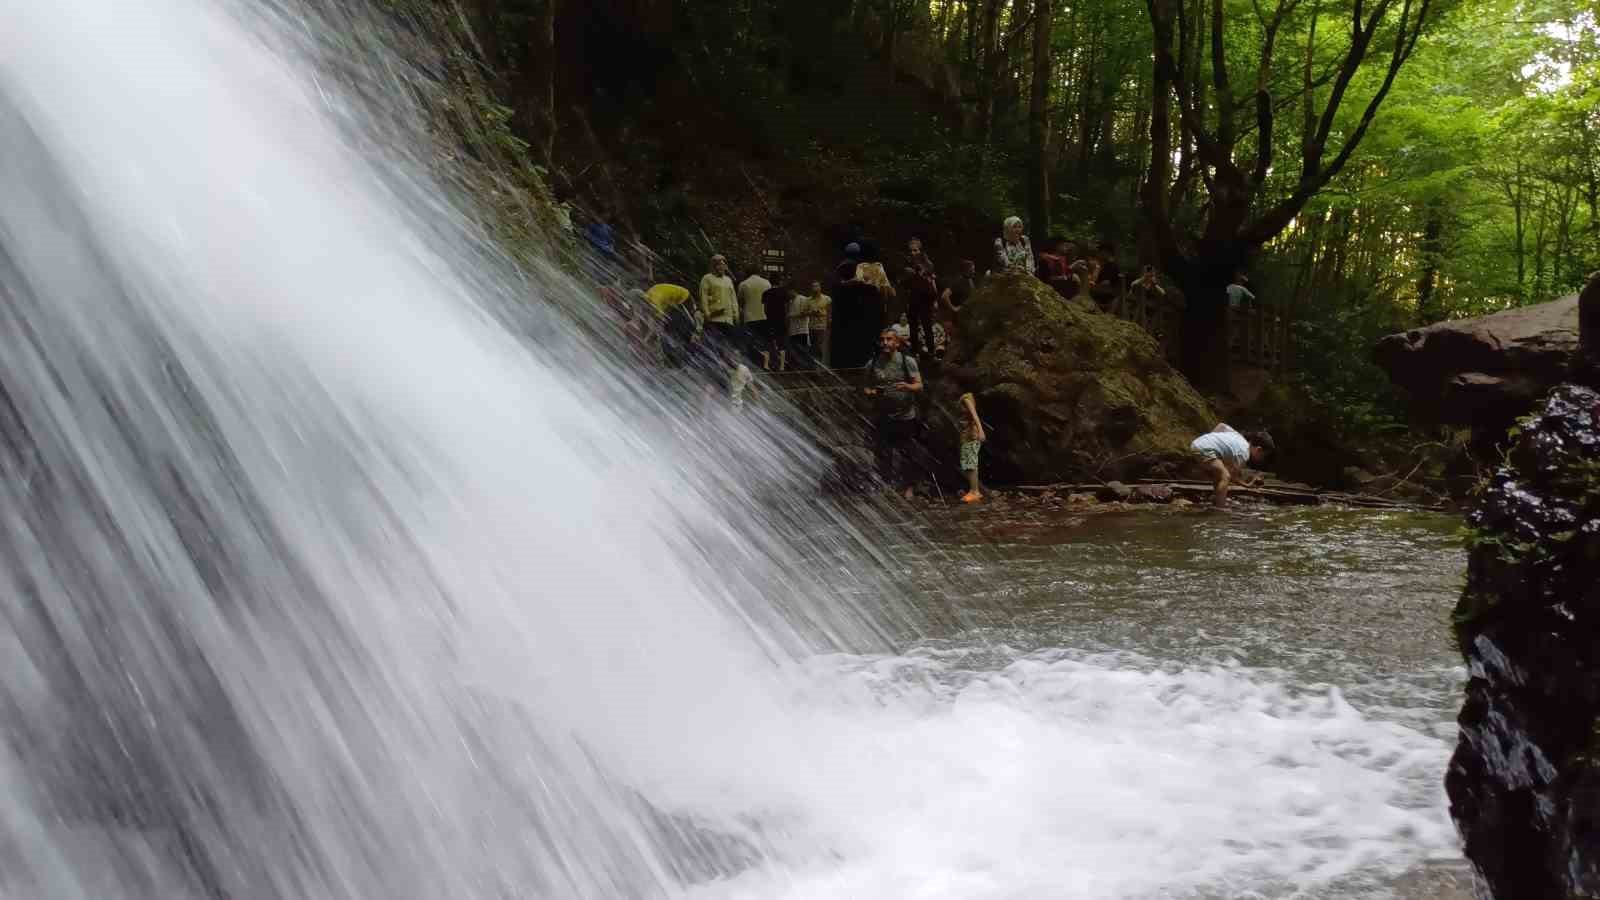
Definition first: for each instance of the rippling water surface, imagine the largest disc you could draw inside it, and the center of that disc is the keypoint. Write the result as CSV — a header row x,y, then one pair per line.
x,y
1185,704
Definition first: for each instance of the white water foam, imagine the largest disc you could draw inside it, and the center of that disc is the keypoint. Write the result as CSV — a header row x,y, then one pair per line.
x,y
1064,775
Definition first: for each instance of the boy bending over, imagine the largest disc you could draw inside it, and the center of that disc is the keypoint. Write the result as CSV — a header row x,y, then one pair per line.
x,y
1224,453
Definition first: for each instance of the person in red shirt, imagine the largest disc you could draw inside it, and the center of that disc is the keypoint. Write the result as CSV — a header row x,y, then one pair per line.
x,y
1055,266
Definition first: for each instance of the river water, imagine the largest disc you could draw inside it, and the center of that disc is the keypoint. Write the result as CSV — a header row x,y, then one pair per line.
x,y
1257,704
342,557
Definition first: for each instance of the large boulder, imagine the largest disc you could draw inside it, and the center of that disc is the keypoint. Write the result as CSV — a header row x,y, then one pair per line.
x,y
1524,783
1484,372
1068,391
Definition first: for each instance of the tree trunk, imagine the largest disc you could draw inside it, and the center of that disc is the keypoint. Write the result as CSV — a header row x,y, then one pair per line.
x,y
1432,250
1039,125
1204,283
989,80
542,78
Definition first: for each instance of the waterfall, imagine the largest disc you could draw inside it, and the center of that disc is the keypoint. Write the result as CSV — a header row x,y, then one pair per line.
x,y
338,560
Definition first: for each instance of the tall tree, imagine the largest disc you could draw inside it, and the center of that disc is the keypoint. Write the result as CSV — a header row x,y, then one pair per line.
x,y
989,68
1245,206
1039,161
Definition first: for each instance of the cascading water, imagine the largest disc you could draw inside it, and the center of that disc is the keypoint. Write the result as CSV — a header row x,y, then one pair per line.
x,y
333,567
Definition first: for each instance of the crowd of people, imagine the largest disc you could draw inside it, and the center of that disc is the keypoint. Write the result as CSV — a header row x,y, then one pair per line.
x,y
890,329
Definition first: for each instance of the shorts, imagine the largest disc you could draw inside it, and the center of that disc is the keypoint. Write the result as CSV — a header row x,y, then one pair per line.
x,y
969,455
1205,454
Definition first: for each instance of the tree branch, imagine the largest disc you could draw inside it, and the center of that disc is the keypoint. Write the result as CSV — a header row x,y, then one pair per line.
x,y
1360,38
1313,179
1263,97
1219,78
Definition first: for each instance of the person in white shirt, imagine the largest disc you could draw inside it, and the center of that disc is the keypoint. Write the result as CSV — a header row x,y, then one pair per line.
x,y
760,334
1224,453
804,356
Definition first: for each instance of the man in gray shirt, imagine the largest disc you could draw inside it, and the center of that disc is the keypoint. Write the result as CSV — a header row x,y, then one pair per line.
x,y
894,382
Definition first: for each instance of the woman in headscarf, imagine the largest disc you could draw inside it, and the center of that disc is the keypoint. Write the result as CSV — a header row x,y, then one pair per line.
x,y
1012,251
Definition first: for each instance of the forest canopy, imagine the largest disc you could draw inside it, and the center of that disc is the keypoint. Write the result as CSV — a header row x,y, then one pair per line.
x,y
1377,164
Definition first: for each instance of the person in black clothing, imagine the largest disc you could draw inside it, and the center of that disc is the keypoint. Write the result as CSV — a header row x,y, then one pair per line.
x,y
857,318
920,287
846,269
775,303
1108,282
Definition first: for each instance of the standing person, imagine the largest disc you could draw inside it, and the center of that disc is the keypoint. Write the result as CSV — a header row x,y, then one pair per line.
x,y
961,288
1055,267
856,310
894,382
757,329
956,294
1108,275
875,294
846,269
1148,283
719,303
775,310
972,438
801,354
919,285
858,315
1083,280
1237,292
820,306
1147,299
1012,251
1224,453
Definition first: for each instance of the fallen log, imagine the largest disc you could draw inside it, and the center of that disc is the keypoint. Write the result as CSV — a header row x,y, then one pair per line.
x,y
1299,495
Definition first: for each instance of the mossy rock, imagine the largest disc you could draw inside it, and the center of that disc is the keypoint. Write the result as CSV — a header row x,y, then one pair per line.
x,y
1068,392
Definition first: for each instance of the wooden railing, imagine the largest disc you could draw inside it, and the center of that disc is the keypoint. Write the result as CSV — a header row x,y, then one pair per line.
x,y
1258,334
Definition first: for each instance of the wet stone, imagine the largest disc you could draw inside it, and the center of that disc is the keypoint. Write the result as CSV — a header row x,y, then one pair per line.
x,y
1522,781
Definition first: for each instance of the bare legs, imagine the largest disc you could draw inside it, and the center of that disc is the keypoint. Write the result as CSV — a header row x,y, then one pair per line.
x,y
1220,479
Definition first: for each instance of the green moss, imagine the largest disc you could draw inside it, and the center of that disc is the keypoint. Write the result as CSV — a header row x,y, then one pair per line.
x,y
1093,393
474,145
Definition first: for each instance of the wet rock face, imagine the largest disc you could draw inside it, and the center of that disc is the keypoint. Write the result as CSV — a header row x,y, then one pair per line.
x,y
1524,783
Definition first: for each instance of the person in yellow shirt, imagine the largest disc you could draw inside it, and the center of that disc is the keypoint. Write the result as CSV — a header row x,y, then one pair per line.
x,y
680,327
820,306
665,296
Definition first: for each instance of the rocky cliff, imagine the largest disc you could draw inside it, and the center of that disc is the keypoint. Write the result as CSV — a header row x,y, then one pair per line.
x,y
1067,391
1524,783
